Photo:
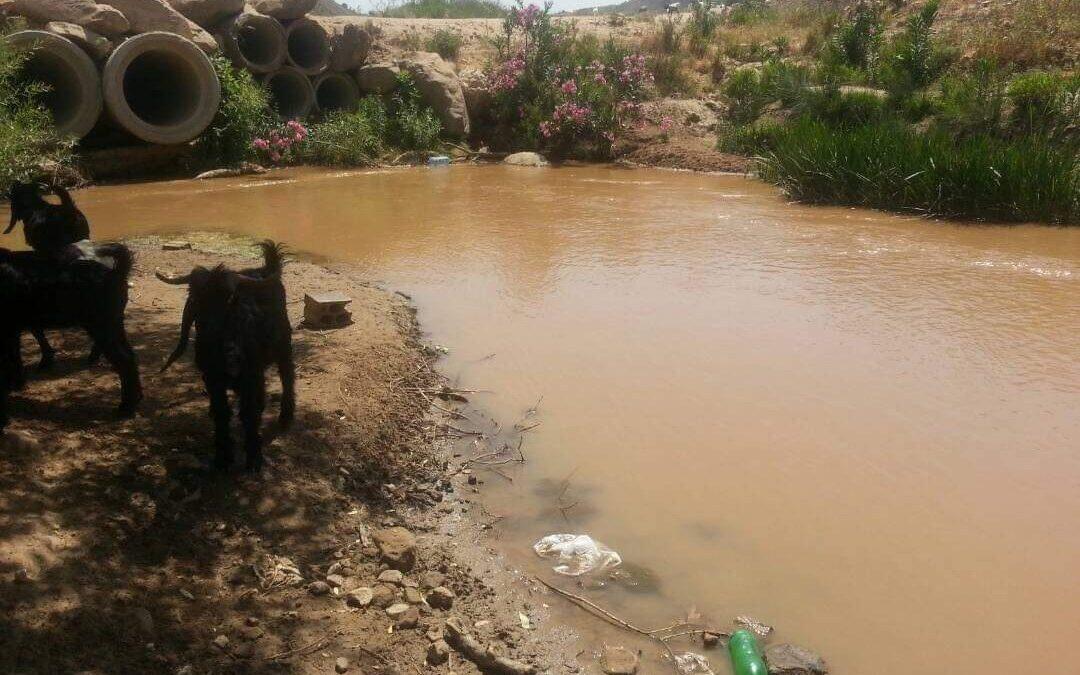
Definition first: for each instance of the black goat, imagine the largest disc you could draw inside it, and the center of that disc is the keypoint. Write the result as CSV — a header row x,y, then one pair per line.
x,y
49,229
88,292
241,328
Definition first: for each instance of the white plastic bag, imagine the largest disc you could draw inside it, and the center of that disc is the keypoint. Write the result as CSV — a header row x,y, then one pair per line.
x,y
689,663
576,554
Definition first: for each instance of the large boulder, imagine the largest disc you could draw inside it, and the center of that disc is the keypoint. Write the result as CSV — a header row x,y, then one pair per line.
x,y
441,89
97,46
208,13
146,16
284,10
478,94
100,18
788,659
349,42
525,159
378,78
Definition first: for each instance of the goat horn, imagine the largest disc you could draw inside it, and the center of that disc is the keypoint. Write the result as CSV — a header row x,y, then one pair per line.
x,y
258,280
174,280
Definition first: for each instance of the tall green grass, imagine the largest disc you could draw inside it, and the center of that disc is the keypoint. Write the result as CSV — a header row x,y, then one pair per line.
x,y
892,167
446,9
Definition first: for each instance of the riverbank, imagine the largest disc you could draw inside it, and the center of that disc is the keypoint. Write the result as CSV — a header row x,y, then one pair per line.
x,y
121,552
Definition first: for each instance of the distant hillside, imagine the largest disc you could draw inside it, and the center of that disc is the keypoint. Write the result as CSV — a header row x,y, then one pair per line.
x,y
331,8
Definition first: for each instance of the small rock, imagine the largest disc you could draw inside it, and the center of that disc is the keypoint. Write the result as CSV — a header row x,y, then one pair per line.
x,y
396,611
432,579
318,588
382,596
434,635
710,639
391,577
397,547
412,596
472,480
221,642
18,440
22,576
142,618
410,619
341,665
359,597
441,598
618,661
335,580
176,246
409,583
525,159
788,659
251,621
438,653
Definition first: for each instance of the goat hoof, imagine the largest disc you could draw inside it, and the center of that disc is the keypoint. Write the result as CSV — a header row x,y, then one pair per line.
x,y
127,410
45,365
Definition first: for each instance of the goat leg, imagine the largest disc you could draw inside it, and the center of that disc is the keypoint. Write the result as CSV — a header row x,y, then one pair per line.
x,y
48,354
121,356
222,413
252,404
287,373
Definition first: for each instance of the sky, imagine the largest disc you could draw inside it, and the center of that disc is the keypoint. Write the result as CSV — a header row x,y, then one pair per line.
x,y
557,5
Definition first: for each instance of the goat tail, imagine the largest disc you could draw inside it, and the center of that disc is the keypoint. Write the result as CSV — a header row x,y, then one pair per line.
x,y
125,259
273,257
187,319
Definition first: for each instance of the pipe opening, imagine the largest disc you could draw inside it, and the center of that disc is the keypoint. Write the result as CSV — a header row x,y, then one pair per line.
x,y
290,94
336,92
259,42
162,88
63,96
309,47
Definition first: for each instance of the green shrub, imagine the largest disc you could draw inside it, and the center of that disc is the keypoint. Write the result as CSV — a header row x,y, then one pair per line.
x,y
748,91
745,99
350,138
1045,103
446,9
750,13
844,110
703,22
914,60
973,102
856,39
243,115
29,143
412,125
892,167
446,43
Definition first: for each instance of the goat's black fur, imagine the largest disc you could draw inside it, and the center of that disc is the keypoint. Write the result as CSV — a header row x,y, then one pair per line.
x,y
241,329
38,293
49,229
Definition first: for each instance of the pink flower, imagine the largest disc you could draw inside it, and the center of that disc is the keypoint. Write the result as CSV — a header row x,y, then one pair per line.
x,y
546,129
666,123
261,144
569,87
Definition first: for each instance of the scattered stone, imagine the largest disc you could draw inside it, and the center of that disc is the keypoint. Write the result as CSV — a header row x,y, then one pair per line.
x,y
341,665
525,159
392,577
377,78
759,628
618,660
251,621
101,19
432,579
409,583
176,246
143,620
318,588
440,88
441,598
434,635
410,619
397,547
245,169
284,10
335,580
221,642
147,16
207,13
412,596
710,639
359,597
327,310
789,659
438,653
97,46
382,596
18,440
396,611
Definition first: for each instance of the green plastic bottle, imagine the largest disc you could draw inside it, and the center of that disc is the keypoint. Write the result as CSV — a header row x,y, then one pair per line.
x,y
745,654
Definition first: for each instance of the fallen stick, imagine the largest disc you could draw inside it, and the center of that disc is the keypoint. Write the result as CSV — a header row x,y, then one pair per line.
x,y
485,659
318,644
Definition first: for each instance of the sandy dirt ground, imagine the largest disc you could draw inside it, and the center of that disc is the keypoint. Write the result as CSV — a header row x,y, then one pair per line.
x,y
122,552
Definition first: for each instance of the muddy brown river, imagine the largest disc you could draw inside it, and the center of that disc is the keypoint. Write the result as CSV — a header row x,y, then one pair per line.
x,y
859,428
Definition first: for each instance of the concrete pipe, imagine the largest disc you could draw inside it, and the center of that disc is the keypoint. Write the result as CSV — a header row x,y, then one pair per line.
x,y
161,88
291,93
74,96
253,41
308,46
336,91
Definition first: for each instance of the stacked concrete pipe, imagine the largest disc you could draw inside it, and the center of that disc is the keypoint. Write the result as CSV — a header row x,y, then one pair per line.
x,y
161,88
308,46
291,93
74,95
253,41
335,91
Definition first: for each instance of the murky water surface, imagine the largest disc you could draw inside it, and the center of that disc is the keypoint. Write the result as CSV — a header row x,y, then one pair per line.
x,y
860,428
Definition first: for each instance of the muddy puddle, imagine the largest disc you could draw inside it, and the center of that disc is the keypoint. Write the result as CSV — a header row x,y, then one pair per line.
x,y
859,428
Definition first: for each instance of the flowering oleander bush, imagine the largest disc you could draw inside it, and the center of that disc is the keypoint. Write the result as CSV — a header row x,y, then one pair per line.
x,y
277,145
555,91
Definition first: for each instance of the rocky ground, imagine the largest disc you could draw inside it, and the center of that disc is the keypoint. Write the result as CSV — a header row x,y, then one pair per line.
x,y
122,552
